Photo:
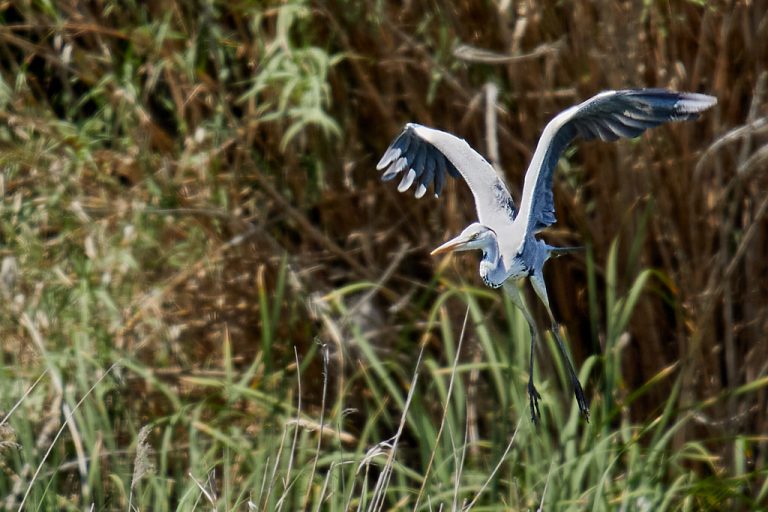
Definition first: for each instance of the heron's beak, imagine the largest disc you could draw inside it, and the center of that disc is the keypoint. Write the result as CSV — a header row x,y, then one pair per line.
x,y
455,244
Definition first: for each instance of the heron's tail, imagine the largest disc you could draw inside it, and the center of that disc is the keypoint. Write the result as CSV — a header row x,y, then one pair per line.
x,y
556,252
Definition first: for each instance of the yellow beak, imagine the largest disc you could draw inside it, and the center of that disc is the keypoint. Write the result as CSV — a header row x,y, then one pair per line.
x,y
450,245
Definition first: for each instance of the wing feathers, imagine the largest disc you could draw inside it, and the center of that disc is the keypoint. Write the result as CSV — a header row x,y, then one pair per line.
x,y
425,156
395,169
407,180
609,116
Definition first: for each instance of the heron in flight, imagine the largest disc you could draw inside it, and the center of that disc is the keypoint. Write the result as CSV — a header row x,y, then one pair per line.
x,y
505,233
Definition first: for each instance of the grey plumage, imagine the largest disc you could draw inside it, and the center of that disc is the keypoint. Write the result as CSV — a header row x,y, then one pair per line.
x,y
506,234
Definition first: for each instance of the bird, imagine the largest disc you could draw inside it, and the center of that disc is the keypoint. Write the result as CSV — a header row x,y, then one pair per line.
x,y
506,233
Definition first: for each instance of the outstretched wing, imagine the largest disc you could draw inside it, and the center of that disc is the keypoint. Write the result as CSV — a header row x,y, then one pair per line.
x,y
424,156
609,116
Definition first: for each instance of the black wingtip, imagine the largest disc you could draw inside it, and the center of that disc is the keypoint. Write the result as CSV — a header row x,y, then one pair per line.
x,y
414,158
693,102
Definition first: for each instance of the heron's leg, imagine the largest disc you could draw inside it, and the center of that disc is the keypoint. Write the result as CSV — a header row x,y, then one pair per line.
x,y
533,395
537,281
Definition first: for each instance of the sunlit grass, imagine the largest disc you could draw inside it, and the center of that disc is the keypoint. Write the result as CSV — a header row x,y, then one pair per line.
x,y
244,446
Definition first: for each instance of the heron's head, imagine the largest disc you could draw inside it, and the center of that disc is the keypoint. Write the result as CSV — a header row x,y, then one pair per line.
x,y
474,236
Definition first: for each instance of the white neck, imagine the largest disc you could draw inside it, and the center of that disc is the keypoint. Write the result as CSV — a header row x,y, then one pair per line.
x,y
490,266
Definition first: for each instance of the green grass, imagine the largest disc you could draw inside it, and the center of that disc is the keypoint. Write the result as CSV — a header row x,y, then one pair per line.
x,y
245,437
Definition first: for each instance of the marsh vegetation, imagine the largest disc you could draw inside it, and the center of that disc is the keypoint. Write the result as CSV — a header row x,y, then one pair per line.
x,y
210,302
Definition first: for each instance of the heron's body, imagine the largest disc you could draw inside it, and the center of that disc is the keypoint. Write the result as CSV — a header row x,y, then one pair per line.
x,y
495,270
505,234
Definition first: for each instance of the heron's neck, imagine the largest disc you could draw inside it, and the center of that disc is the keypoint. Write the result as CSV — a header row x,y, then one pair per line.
x,y
490,265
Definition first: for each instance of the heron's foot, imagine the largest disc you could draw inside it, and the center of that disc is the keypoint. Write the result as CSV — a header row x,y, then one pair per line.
x,y
581,400
534,397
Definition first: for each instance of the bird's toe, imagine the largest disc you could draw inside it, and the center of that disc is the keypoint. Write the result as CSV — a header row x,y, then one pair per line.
x,y
581,400
534,396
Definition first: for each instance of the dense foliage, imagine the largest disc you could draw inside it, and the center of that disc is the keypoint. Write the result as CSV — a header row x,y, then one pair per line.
x,y
212,302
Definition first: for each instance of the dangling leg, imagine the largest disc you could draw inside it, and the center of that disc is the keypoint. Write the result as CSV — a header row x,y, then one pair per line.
x,y
537,281
533,395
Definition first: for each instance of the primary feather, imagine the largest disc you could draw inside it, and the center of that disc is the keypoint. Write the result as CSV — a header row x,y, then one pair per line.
x,y
425,155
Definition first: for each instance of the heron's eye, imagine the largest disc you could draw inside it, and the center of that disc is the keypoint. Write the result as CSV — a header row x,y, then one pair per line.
x,y
475,236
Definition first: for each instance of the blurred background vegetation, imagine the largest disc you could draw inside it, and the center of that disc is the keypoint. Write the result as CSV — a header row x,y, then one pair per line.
x,y
210,301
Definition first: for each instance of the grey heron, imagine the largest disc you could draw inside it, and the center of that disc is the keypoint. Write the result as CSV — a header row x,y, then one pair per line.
x,y
505,233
